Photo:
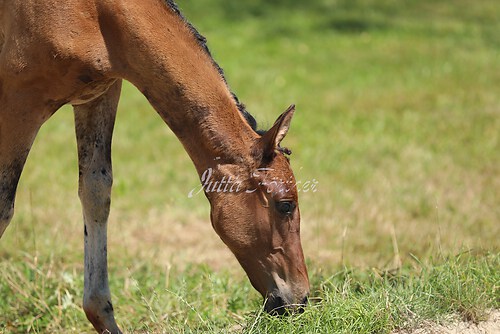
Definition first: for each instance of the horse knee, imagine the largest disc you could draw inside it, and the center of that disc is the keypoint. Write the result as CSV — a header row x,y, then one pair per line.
x,y
6,214
95,186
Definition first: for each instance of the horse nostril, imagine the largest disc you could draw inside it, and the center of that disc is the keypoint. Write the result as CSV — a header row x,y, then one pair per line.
x,y
301,306
275,305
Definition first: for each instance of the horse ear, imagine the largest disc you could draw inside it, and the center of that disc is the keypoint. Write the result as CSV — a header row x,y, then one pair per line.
x,y
270,140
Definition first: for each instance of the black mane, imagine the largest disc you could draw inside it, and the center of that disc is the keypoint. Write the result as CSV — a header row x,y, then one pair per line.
x,y
202,41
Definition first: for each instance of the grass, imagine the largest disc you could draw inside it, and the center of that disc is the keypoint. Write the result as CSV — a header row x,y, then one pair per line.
x,y
398,121
199,299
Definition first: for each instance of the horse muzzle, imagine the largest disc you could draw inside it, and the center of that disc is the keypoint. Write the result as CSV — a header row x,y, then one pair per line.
x,y
277,304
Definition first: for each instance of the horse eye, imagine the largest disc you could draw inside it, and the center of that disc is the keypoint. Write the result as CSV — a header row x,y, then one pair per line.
x,y
285,207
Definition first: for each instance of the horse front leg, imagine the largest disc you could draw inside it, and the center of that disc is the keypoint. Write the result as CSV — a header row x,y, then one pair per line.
x,y
21,116
94,123
10,171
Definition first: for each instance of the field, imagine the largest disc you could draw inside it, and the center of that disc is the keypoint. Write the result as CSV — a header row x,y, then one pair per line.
x,y
398,121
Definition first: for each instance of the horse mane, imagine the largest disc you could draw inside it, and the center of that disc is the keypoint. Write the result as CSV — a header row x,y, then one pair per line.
x,y
202,42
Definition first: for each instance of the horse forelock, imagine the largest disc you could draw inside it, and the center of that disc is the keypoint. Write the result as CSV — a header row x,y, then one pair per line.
x,y
202,42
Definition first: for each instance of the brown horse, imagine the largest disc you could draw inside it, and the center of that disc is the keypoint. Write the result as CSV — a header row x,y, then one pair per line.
x,y
77,52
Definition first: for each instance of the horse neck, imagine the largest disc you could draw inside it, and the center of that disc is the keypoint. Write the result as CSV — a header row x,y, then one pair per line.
x,y
177,75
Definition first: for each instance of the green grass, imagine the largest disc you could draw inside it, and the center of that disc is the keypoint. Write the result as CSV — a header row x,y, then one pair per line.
x,y
46,298
398,119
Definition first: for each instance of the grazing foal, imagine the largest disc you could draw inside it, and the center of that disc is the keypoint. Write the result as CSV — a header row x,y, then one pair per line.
x,y
77,52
